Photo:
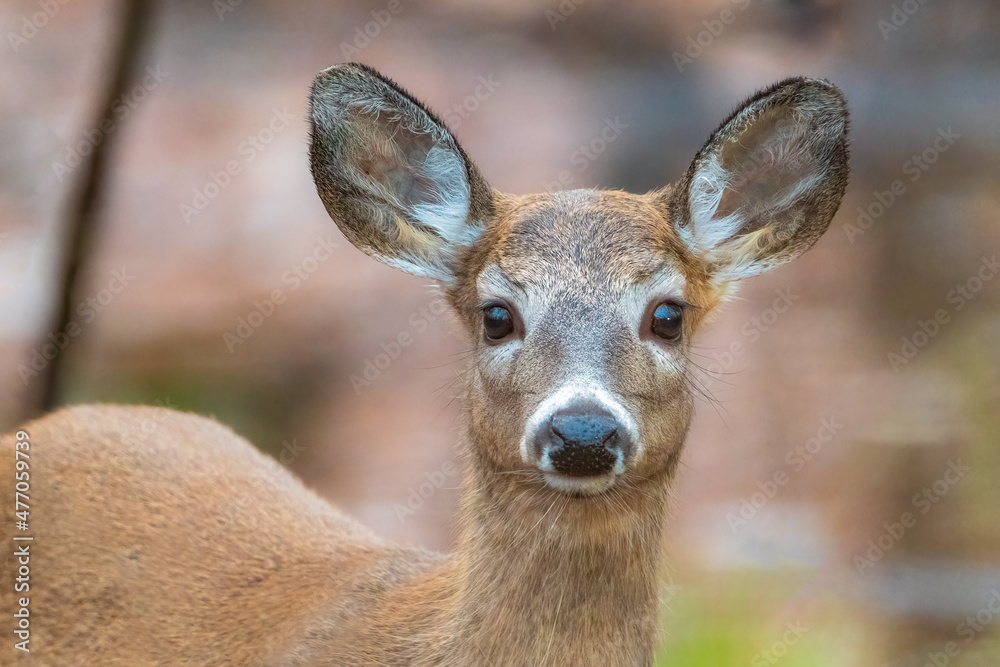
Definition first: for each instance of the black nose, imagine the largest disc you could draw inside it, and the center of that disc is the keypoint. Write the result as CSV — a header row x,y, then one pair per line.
x,y
582,440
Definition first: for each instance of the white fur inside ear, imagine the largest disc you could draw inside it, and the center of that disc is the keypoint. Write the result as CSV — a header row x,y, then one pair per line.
x,y
762,187
707,187
448,213
419,267
450,197
432,223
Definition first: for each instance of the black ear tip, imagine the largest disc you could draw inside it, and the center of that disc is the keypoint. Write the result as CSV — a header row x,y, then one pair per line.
x,y
830,94
803,82
825,88
358,70
802,88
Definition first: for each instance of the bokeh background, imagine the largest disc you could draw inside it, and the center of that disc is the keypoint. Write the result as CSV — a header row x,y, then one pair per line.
x,y
856,387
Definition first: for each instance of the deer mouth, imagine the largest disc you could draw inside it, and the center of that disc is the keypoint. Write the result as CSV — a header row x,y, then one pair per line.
x,y
580,486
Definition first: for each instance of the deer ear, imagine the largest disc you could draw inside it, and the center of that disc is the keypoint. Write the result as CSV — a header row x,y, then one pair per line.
x,y
391,175
766,184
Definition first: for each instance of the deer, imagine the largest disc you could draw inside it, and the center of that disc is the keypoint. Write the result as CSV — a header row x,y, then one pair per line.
x,y
160,537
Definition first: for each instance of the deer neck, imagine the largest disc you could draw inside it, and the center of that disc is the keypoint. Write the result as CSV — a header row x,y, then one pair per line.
x,y
545,578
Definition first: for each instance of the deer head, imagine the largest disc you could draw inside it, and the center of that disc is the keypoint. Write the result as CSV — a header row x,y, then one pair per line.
x,y
580,305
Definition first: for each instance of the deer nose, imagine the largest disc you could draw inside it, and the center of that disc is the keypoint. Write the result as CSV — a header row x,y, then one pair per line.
x,y
583,440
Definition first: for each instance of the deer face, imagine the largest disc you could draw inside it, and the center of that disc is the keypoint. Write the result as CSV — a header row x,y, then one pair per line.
x,y
579,310
580,305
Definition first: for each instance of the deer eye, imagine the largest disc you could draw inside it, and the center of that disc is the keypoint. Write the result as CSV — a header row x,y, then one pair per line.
x,y
667,321
497,322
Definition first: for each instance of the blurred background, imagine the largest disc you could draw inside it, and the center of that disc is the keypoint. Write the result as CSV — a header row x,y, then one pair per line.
x,y
838,499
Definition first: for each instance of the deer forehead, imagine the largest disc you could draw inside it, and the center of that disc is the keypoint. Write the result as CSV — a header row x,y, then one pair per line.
x,y
582,251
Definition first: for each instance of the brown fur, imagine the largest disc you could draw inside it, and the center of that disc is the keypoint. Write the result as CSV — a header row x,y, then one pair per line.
x,y
162,537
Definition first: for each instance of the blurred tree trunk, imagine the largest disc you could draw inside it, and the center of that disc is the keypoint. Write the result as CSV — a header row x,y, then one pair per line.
x,y
82,217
